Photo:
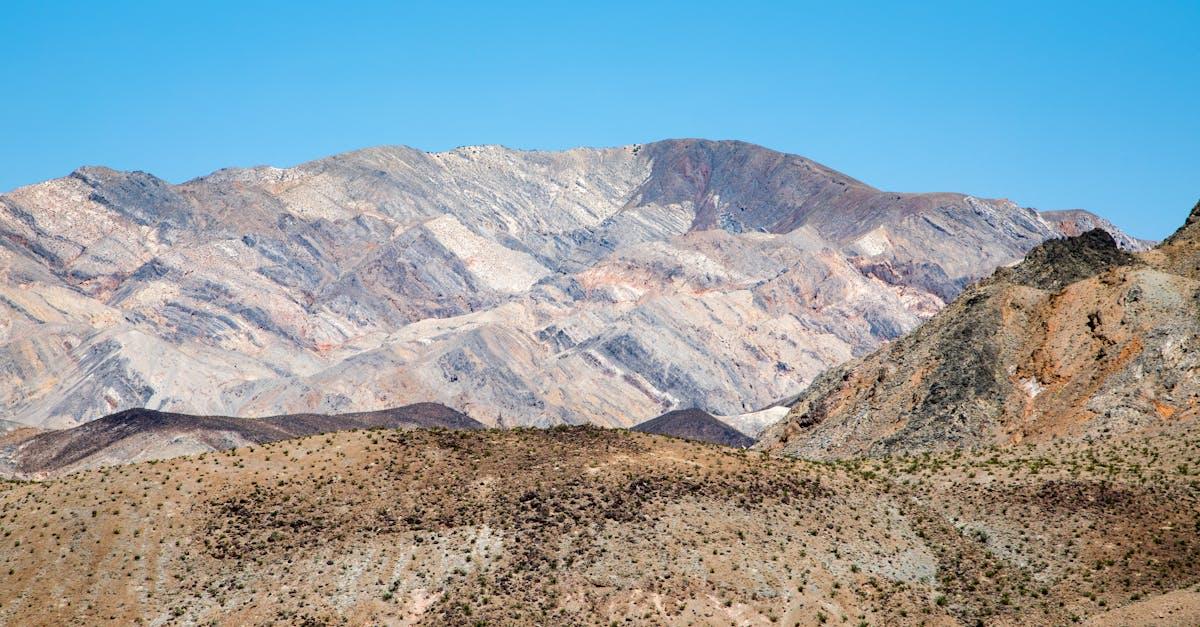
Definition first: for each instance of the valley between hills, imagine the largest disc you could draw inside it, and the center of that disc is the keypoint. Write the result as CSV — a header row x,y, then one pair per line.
x,y
681,383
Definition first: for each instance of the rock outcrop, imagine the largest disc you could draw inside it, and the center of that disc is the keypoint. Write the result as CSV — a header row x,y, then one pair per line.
x,y
1072,222
526,288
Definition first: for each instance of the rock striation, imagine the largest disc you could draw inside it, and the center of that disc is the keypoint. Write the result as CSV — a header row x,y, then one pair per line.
x,y
524,287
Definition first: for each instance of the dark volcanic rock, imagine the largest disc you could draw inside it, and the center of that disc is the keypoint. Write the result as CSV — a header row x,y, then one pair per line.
x,y
1059,262
695,424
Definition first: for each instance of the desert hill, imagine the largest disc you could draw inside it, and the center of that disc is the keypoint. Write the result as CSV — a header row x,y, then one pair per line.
x,y
695,424
1080,341
587,526
141,434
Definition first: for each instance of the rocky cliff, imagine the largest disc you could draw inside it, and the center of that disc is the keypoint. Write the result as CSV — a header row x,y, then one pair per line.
x,y
599,285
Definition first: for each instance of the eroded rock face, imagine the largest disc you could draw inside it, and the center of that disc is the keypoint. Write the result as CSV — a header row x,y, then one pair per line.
x,y
1080,341
590,285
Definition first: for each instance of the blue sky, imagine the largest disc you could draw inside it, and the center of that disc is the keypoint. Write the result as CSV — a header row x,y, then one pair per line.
x,y
1053,105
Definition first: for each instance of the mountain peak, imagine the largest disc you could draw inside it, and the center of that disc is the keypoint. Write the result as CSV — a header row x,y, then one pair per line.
x,y
695,424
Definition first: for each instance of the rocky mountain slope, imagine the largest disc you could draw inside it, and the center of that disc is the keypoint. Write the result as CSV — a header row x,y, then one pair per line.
x,y
695,424
585,526
1080,341
601,285
141,434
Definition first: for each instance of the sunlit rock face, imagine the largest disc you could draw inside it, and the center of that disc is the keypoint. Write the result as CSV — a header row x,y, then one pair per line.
x,y
535,288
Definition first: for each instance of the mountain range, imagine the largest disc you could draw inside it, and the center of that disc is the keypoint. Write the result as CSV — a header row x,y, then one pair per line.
x,y
1026,456
521,287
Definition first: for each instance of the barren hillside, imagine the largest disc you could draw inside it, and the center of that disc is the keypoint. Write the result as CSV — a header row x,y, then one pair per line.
x,y
588,526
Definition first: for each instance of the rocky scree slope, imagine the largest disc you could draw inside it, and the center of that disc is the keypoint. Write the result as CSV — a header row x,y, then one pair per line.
x,y
1080,341
536,288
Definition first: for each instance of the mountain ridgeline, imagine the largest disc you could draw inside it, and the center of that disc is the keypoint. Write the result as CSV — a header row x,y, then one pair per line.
x,y
522,287
141,434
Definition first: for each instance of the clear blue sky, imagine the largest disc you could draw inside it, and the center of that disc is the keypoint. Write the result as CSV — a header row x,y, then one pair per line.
x,y
1054,105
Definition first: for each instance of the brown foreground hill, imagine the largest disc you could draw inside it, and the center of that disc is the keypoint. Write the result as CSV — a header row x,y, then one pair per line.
x,y
587,526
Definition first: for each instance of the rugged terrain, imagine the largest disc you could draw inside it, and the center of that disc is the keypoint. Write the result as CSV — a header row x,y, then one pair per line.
x,y
578,525
601,285
958,511
141,434
695,424
1081,341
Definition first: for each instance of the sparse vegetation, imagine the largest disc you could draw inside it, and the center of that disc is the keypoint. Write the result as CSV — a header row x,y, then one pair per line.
x,y
376,519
